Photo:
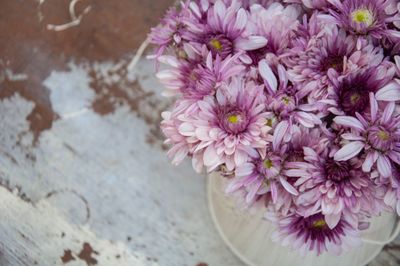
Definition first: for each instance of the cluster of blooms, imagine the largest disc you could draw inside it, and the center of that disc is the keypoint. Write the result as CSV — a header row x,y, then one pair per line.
x,y
295,102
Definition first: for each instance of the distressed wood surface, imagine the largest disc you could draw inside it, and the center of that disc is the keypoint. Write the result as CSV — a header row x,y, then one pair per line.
x,y
84,179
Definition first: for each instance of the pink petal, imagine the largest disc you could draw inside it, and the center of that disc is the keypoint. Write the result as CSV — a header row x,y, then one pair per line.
x,y
210,156
187,129
244,169
279,134
369,161
234,185
387,114
390,92
349,121
219,9
296,173
251,43
240,157
332,220
288,187
241,19
253,191
351,136
349,151
374,107
267,74
384,167
274,192
390,198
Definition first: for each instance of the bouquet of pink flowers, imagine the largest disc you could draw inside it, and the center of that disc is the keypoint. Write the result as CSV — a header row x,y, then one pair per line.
x,y
296,102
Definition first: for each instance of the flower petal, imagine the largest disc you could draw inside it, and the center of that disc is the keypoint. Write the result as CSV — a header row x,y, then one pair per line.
x,y
288,186
390,92
210,156
241,19
349,121
332,220
384,167
267,74
279,134
244,169
251,43
369,161
348,151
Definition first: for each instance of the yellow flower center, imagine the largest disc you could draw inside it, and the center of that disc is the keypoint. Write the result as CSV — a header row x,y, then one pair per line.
x,y
216,44
234,119
383,135
181,54
355,98
362,16
268,164
319,224
286,100
269,122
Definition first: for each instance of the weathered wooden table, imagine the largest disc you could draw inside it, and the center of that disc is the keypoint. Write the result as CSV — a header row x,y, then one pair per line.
x,y
83,172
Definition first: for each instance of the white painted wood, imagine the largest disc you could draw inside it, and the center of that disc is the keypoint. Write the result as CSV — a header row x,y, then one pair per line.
x,y
110,187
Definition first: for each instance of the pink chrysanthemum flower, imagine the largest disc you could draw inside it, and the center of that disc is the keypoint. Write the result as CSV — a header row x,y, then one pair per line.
x,y
378,135
312,233
278,24
335,188
284,101
172,121
170,31
193,79
329,55
223,30
228,127
265,174
366,17
268,173
351,94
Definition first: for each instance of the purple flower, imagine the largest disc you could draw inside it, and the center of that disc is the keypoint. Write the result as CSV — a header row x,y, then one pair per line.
x,y
270,172
172,121
326,58
278,24
351,94
194,79
229,127
378,135
365,17
312,233
283,99
170,30
264,174
223,30
336,188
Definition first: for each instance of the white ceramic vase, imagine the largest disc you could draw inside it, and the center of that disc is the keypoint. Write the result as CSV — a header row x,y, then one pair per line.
x,y
248,235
